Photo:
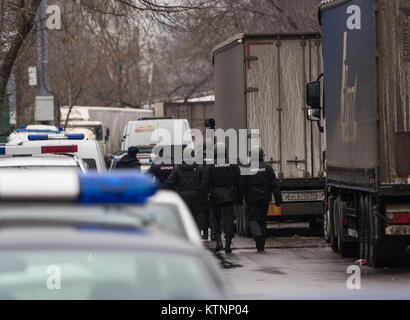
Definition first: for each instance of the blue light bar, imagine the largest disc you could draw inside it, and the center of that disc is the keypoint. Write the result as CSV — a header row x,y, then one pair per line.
x,y
36,131
35,137
125,187
75,136
69,136
2,151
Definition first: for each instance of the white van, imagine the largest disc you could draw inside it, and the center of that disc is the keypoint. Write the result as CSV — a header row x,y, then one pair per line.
x,y
88,150
143,134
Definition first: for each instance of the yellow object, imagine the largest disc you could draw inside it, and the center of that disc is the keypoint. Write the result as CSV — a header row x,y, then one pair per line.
x,y
274,210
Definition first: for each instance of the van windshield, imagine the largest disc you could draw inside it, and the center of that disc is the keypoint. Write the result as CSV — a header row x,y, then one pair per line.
x,y
97,129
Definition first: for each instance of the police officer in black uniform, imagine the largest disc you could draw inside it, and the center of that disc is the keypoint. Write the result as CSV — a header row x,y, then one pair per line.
x,y
129,160
161,171
259,185
223,183
186,180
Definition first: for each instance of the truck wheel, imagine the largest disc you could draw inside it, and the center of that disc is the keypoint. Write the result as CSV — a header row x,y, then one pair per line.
x,y
366,241
332,226
346,248
326,225
375,257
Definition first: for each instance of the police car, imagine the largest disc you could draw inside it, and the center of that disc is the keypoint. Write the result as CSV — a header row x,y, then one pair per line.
x,y
37,157
22,133
88,150
76,232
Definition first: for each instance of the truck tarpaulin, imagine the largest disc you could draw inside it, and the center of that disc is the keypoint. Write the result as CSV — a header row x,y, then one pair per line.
x,y
350,84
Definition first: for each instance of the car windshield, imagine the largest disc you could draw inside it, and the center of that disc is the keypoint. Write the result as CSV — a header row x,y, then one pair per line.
x,y
102,274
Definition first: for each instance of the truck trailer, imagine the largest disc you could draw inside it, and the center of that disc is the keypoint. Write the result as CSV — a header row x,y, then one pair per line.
x,y
260,84
111,120
366,117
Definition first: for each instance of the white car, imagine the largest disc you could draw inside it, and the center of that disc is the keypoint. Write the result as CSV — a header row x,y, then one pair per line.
x,y
22,133
88,150
36,162
172,201
98,230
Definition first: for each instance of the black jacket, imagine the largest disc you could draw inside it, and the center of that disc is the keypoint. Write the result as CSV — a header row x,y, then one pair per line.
x,y
186,180
161,172
261,185
128,161
223,182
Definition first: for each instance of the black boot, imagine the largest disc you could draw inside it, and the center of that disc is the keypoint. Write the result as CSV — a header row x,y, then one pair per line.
x,y
205,235
260,244
228,246
219,246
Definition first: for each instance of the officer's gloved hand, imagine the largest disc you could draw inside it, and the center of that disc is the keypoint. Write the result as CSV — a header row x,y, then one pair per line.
x,y
278,204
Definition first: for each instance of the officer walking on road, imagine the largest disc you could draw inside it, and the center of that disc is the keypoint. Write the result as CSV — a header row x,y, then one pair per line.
x,y
186,179
259,187
129,160
161,171
223,183
207,215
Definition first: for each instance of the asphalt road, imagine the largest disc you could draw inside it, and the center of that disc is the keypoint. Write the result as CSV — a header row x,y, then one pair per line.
x,y
296,265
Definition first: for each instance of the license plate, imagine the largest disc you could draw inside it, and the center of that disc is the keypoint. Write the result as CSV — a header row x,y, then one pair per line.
x,y
274,210
301,196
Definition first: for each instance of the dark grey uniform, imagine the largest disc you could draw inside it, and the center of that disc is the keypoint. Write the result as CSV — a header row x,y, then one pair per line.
x,y
224,185
186,179
258,194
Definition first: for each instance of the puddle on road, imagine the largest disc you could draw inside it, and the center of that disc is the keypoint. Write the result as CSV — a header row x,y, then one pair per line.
x,y
224,262
271,271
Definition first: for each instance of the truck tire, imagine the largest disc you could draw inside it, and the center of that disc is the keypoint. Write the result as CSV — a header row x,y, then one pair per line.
x,y
345,248
326,225
375,255
332,226
362,228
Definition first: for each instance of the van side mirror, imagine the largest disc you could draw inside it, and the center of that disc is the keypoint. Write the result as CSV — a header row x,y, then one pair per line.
x,y
210,123
313,94
313,114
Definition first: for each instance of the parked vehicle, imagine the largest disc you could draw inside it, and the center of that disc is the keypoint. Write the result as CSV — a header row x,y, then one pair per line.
x,y
37,158
149,132
94,230
88,150
113,121
366,112
97,127
259,84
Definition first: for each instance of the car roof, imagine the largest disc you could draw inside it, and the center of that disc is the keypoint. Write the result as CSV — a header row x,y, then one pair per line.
x,y
28,238
38,160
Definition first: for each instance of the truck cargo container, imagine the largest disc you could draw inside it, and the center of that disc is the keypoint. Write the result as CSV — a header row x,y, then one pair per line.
x,y
260,84
195,110
366,118
113,120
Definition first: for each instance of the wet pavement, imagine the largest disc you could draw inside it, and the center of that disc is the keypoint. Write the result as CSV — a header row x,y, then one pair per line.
x,y
296,265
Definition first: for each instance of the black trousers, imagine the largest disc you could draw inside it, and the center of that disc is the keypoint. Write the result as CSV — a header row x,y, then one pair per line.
x,y
257,212
195,206
222,212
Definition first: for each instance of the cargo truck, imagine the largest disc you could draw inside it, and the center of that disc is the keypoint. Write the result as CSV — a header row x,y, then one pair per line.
x,y
107,123
260,84
365,111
